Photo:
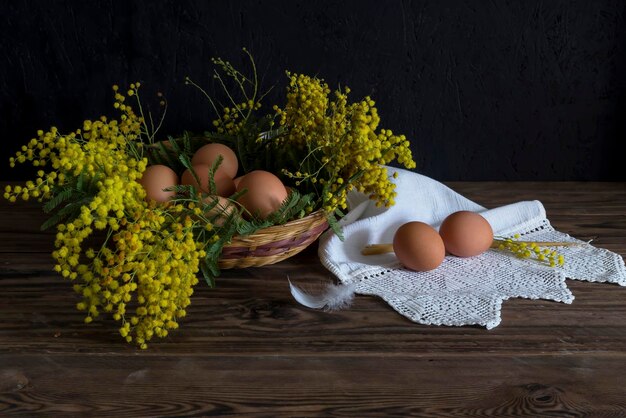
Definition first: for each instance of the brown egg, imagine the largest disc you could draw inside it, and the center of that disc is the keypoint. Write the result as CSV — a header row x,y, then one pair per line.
x,y
418,246
207,154
156,178
265,193
222,210
224,185
466,234
237,180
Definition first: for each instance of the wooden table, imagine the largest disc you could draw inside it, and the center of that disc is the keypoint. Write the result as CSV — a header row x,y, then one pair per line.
x,y
247,349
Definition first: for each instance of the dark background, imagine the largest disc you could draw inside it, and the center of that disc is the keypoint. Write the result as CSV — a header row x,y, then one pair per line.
x,y
499,90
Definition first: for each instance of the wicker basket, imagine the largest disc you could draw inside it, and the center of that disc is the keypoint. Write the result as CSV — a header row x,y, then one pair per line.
x,y
273,244
268,245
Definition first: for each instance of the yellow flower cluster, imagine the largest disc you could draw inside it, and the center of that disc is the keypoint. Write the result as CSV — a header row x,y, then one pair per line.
x,y
138,261
151,263
531,250
149,257
343,146
234,119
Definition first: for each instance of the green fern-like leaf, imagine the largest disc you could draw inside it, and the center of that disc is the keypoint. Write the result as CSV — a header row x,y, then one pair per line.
x,y
333,223
181,189
155,156
64,195
186,162
167,154
187,144
210,271
212,171
80,180
67,213
245,228
291,208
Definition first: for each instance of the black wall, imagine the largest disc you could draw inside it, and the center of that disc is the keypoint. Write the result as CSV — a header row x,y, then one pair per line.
x,y
499,90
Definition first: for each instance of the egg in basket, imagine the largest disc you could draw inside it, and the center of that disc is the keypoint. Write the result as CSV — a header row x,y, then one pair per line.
x,y
282,220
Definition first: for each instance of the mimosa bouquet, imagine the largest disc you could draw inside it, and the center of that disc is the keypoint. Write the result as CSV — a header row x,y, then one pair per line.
x,y
135,252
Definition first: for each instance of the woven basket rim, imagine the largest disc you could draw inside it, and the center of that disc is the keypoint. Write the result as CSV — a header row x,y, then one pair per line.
x,y
273,244
274,247
289,229
318,214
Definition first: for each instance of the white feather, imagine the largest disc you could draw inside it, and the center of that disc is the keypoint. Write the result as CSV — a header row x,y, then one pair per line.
x,y
334,297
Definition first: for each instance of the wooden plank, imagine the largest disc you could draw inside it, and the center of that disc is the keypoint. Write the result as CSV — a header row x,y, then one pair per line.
x,y
247,349
251,307
286,386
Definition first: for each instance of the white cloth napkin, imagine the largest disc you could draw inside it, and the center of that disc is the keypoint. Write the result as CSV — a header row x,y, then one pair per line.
x,y
462,291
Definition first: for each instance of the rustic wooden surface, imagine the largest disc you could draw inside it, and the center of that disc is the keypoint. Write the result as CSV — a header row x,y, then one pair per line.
x,y
247,349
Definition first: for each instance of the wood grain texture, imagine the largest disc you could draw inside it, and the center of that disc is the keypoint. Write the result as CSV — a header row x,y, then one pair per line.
x,y
247,349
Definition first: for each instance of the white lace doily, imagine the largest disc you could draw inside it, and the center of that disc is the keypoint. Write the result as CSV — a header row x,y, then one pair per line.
x,y
462,291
